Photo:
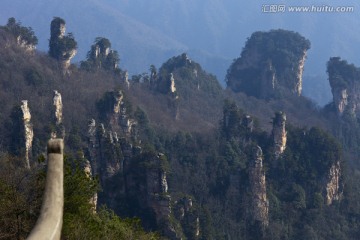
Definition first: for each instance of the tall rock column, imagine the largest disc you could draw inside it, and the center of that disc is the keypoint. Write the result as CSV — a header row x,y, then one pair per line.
x,y
58,116
28,133
259,202
299,75
279,133
345,87
61,47
174,97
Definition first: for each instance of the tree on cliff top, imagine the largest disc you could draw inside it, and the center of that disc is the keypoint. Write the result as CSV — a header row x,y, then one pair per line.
x,y
101,56
21,33
268,60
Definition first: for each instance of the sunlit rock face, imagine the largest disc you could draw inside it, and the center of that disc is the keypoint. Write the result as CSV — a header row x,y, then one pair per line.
x,y
300,71
259,202
279,133
59,131
28,131
29,48
333,184
345,87
58,107
271,63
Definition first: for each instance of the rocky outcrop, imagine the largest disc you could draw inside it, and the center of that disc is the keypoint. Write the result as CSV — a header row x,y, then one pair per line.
x,y
271,62
174,98
279,133
172,84
158,198
24,36
28,131
259,202
188,217
345,87
23,43
333,187
58,107
58,116
299,75
119,121
61,47
101,56
88,171
126,79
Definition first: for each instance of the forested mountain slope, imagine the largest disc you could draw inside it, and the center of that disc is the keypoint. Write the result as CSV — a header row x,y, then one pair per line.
x,y
171,147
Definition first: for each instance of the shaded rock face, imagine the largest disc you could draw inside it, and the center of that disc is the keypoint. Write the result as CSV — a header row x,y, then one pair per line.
x,y
259,202
105,152
345,87
279,133
271,62
146,185
188,217
124,171
333,184
28,131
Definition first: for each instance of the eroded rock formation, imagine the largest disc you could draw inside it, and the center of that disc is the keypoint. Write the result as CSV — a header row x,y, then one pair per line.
x,y
345,87
24,36
271,62
88,172
259,202
101,56
23,43
333,184
58,107
61,47
28,133
279,133
172,84
58,116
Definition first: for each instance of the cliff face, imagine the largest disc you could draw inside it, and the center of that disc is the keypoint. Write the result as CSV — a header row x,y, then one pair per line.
x,y
345,86
88,171
259,202
146,186
279,133
333,187
58,116
28,131
125,172
271,62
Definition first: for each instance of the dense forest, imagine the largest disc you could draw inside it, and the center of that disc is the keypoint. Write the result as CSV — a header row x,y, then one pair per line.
x,y
168,153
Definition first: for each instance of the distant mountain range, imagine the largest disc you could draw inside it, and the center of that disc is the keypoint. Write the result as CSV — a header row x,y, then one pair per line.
x,y
212,32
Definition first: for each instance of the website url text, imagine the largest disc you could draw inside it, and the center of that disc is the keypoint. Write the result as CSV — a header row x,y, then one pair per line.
x,y
282,8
